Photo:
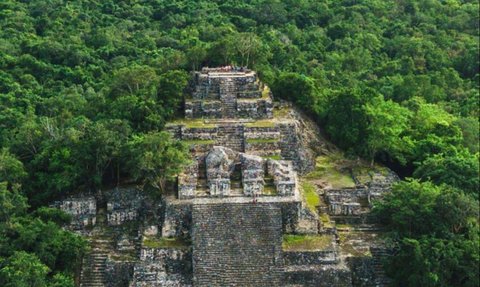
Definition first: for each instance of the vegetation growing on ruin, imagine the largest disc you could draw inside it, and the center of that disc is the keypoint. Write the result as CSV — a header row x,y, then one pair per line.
x,y
199,142
164,242
311,196
261,124
275,157
270,190
84,85
194,123
292,242
329,171
261,141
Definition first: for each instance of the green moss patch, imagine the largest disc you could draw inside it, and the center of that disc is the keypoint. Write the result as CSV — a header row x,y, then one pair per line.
x,y
274,157
269,190
311,196
164,242
292,242
328,169
199,142
281,112
194,123
260,141
261,124
353,243
265,92
364,173
326,222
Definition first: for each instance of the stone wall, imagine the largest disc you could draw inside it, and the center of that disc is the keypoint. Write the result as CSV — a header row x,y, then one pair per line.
x,y
228,95
118,273
237,245
253,172
83,210
319,276
187,181
209,85
177,219
310,257
282,139
169,267
123,204
212,109
284,178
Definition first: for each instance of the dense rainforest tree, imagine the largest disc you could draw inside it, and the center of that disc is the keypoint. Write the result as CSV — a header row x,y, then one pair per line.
x,y
86,88
156,158
34,249
436,232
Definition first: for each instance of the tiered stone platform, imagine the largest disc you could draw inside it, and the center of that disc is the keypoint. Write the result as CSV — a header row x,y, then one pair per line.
x,y
236,154
228,93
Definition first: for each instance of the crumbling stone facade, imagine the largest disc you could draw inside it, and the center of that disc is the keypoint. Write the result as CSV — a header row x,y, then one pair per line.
x,y
253,171
82,209
235,164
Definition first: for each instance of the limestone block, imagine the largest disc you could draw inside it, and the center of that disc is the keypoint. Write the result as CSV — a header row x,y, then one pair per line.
x,y
151,230
124,243
284,177
123,204
163,267
83,210
187,181
219,186
345,208
220,163
253,173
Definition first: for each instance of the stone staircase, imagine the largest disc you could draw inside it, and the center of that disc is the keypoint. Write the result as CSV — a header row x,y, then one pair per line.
x,y
231,136
378,255
228,98
94,263
237,245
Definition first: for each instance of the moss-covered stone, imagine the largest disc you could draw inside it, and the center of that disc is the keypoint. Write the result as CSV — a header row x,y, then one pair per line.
x,y
199,142
293,242
328,169
311,197
260,141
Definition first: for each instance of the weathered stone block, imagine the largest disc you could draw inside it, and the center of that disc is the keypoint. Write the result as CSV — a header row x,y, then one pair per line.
x,y
83,210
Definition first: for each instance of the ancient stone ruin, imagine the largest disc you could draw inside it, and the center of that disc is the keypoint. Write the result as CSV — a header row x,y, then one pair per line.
x,y
228,94
232,215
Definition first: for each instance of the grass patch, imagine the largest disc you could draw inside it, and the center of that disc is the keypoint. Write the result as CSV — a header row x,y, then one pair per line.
x,y
164,242
194,123
326,169
265,92
325,218
269,190
293,242
349,244
344,226
274,157
259,141
124,257
311,196
261,124
364,173
199,142
281,112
